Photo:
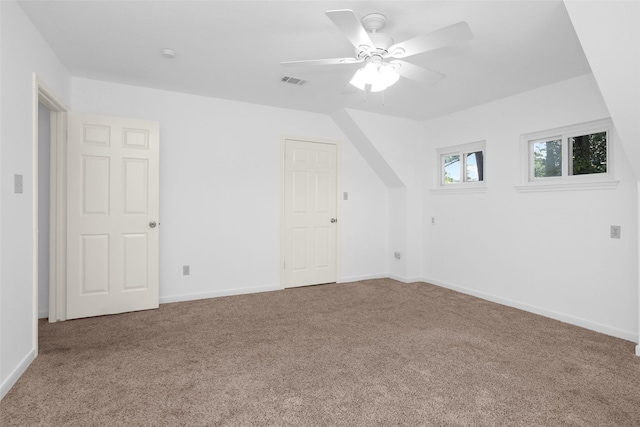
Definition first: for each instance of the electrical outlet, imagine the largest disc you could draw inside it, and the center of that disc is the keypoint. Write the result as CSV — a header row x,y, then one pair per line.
x,y
186,270
345,196
433,220
615,231
397,254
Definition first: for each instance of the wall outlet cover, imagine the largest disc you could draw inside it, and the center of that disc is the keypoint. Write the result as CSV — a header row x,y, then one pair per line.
x,y
615,231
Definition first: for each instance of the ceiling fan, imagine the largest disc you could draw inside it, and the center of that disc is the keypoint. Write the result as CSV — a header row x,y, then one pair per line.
x,y
381,56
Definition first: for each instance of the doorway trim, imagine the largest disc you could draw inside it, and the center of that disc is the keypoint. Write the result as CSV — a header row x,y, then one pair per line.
x,y
57,202
283,152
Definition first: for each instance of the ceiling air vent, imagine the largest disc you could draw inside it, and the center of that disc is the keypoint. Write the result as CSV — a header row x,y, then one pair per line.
x,y
294,80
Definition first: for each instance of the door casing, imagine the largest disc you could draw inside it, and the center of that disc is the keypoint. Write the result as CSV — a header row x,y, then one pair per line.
x,y
57,201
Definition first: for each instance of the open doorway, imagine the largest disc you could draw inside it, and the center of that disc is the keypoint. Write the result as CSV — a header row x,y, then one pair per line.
x,y
48,209
126,194
44,159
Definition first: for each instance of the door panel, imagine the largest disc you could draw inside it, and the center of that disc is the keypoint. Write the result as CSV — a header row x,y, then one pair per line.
x,y
323,192
136,185
322,249
310,246
94,264
136,254
112,197
95,185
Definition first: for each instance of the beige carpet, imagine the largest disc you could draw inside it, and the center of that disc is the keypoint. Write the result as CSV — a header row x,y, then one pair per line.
x,y
368,353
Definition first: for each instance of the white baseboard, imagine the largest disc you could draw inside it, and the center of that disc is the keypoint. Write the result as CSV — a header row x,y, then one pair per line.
x,y
566,318
405,279
43,314
221,293
348,279
16,374
638,350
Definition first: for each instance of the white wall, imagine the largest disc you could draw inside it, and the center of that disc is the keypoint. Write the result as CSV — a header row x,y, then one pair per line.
x,y
23,52
399,141
546,252
220,186
44,123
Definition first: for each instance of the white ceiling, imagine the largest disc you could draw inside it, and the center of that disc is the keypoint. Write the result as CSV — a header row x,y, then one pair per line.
x,y
233,49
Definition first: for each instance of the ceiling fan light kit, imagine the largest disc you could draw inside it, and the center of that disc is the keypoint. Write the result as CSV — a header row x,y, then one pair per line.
x,y
373,48
379,77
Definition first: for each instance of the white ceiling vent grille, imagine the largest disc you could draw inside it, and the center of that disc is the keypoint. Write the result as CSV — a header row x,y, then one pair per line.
x,y
294,80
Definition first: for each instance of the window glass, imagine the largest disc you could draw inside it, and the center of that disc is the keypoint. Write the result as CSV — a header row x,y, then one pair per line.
x,y
589,153
451,168
474,166
567,158
461,167
547,158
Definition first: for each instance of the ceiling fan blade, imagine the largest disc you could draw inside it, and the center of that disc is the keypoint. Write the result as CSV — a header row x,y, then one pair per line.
x,y
455,33
350,25
418,74
331,61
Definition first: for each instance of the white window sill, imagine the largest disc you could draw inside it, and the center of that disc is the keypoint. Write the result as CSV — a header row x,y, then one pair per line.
x,y
459,189
566,186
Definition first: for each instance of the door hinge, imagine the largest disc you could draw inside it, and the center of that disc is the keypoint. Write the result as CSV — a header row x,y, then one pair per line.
x,y
284,265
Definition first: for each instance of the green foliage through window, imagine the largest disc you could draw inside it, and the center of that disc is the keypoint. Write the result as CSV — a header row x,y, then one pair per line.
x,y
574,156
547,157
589,153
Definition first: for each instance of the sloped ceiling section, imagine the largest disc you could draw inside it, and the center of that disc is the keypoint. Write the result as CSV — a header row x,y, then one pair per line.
x,y
610,36
367,150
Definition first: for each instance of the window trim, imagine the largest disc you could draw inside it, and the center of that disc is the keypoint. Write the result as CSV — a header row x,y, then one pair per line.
x,y
529,182
461,150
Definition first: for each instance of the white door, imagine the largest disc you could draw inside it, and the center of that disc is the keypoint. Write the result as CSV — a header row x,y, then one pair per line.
x,y
112,215
310,213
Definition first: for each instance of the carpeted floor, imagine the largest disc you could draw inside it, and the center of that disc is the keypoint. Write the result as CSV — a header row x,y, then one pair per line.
x,y
375,352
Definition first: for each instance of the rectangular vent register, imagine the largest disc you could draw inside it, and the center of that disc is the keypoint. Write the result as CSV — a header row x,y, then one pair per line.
x,y
294,80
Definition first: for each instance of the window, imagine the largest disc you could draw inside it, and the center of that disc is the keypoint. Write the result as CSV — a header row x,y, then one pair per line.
x,y
568,158
547,158
462,166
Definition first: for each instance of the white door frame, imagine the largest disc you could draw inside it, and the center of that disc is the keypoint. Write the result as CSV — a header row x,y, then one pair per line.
x,y
57,200
283,152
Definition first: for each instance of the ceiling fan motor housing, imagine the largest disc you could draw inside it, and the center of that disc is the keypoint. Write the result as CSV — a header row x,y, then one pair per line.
x,y
382,41
373,23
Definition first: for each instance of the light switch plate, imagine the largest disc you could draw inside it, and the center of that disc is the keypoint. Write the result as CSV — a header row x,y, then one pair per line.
x,y
17,183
